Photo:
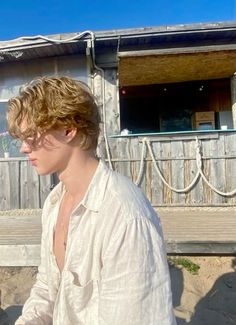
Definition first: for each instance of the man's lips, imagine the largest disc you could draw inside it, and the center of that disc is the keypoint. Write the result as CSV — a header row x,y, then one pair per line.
x,y
33,161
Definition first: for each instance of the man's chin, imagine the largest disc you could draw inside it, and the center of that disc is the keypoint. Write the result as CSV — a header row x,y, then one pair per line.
x,y
41,172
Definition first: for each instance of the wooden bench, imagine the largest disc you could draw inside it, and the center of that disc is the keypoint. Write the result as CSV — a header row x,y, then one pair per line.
x,y
186,231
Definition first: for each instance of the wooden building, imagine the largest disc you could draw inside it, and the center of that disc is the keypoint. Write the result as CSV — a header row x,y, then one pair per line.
x,y
167,97
168,103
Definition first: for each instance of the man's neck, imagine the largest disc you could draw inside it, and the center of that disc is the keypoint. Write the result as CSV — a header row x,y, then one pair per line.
x,y
78,174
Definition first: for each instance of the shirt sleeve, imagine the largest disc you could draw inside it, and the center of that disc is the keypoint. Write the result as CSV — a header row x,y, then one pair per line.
x,y
38,307
135,286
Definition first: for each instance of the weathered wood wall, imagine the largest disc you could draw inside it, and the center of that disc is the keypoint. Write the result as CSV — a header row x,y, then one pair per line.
x,y
176,158
20,186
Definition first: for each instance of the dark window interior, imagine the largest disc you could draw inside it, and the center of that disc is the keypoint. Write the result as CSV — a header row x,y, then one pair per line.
x,y
169,107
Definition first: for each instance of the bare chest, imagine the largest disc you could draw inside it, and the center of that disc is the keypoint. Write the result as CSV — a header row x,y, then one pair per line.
x,y
61,233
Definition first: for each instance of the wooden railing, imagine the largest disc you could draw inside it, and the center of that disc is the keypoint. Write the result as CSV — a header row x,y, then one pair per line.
x,y
20,186
175,157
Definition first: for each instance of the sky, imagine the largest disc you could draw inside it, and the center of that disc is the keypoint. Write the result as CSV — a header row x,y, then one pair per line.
x,y
45,17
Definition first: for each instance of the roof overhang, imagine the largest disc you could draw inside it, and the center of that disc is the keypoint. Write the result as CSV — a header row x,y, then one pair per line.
x,y
164,40
176,65
23,49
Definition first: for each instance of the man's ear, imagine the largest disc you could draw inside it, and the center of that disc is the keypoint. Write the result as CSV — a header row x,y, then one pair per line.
x,y
69,134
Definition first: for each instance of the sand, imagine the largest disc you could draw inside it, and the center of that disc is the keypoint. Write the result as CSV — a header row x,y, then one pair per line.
x,y
207,298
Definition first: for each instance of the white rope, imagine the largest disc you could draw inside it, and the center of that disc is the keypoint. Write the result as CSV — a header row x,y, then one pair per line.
x,y
183,190
146,142
199,166
141,167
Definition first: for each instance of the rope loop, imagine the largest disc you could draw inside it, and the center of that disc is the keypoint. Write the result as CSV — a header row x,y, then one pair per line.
x,y
146,143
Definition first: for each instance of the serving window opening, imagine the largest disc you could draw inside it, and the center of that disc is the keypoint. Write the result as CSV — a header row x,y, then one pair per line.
x,y
176,107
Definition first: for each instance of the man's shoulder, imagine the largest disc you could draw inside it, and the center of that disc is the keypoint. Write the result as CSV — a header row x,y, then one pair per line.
x,y
126,196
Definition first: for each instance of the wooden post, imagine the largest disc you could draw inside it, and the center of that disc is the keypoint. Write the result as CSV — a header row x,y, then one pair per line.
x,y
233,98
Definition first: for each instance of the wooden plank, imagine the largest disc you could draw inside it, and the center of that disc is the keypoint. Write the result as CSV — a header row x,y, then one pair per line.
x,y
14,185
4,185
98,94
217,169
29,187
199,224
111,102
206,165
199,230
148,190
177,171
156,182
176,50
20,186
201,248
123,151
19,255
135,153
186,231
190,169
20,227
166,172
230,166
196,194
45,183
20,237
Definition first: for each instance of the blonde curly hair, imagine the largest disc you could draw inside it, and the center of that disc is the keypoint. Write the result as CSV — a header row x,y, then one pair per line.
x,y
52,102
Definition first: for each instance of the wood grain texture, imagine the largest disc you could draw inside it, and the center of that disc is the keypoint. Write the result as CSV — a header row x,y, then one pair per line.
x,y
20,186
186,231
176,159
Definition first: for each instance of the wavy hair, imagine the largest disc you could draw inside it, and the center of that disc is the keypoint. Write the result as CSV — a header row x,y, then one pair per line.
x,y
53,102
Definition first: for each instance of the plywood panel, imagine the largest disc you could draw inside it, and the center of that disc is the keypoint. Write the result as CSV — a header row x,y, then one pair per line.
x,y
168,68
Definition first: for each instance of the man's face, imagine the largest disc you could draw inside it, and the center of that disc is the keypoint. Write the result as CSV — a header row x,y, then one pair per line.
x,y
48,152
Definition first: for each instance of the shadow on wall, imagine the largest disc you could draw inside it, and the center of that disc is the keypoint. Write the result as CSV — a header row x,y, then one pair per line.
x,y
217,307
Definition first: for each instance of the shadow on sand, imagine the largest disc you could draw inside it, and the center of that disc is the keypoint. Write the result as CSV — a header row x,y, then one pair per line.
x,y
217,307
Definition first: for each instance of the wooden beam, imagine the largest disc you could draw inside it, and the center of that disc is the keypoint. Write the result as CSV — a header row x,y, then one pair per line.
x,y
178,50
20,255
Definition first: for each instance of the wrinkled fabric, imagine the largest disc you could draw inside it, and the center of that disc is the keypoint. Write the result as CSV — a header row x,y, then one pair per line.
x,y
115,269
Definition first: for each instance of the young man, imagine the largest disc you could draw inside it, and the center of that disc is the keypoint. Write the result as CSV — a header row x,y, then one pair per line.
x,y
102,253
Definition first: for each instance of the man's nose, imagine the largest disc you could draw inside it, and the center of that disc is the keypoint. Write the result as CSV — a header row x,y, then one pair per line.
x,y
25,147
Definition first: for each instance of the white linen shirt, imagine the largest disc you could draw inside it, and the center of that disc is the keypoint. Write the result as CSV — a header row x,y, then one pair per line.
x,y
115,270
